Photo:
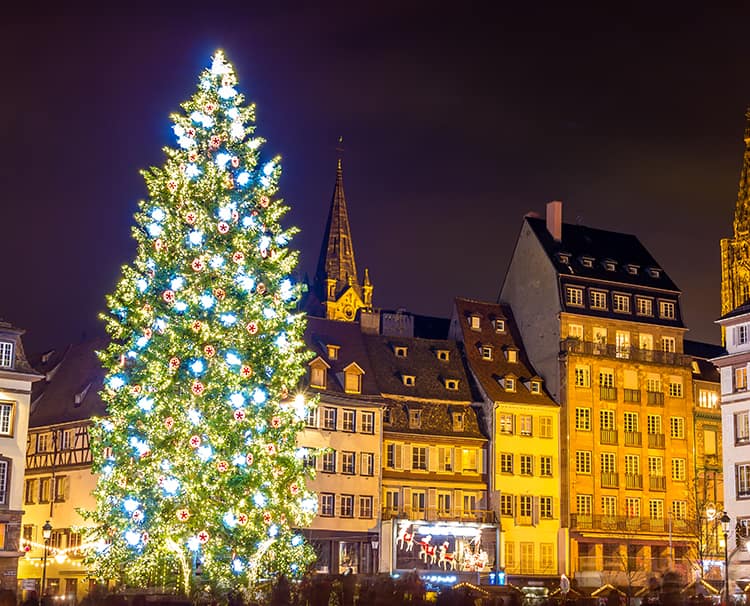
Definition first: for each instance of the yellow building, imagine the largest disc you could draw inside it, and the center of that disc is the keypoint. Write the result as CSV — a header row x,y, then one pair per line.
x,y
601,322
58,479
524,452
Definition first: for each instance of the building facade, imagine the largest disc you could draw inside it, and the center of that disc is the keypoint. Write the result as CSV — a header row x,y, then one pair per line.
x,y
524,456
16,380
601,323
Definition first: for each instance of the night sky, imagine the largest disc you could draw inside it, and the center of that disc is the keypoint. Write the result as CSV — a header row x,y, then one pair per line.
x,y
456,122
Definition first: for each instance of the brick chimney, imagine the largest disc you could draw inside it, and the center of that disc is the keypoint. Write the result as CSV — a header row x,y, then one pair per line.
x,y
554,219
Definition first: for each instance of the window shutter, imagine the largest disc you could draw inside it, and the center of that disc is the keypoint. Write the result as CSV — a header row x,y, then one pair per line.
x,y
515,508
441,459
458,460
398,458
431,504
481,460
535,511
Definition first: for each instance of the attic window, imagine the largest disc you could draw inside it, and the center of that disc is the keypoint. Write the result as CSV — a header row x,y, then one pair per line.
x,y
609,265
696,368
443,354
415,419
409,380
333,352
353,378
510,384
535,387
451,384
631,269
587,261
511,355
499,325
486,352
6,354
474,322
654,272
458,421
563,258
81,396
400,351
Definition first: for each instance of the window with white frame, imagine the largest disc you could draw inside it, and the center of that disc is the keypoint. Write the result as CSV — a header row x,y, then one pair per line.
x,y
527,465
667,310
545,427
392,500
393,456
506,462
6,418
486,351
506,504
545,466
584,504
598,299
644,306
347,505
510,384
582,375
742,472
327,504
574,296
525,425
656,466
505,423
499,325
349,420
348,463
653,424
621,303
675,387
633,507
742,427
329,461
630,421
444,502
707,398
656,509
632,465
741,334
608,463
575,331
366,463
679,510
740,378
583,418
609,506
6,354
606,377
419,458
607,420
418,501
583,461
311,418
668,344
329,418
545,508
367,422
474,322
678,470
525,504
677,428
365,507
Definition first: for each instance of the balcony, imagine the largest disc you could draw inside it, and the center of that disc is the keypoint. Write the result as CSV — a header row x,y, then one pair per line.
x,y
608,436
610,479
634,481
608,393
439,515
632,438
631,395
657,483
655,398
623,524
656,440
589,348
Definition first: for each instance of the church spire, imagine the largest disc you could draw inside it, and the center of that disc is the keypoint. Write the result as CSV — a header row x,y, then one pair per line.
x,y
336,284
742,210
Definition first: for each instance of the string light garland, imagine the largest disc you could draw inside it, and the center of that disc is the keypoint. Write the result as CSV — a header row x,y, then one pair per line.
x,y
198,452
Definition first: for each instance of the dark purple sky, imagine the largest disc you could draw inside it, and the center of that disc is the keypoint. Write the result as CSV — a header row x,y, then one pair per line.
x,y
457,121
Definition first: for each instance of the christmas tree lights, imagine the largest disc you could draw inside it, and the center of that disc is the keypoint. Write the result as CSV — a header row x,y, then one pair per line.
x,y
197,459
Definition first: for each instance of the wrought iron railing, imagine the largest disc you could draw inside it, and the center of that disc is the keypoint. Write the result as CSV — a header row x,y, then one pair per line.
x,y
670,358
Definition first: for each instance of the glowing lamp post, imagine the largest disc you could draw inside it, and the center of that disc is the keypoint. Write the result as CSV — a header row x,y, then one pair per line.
x,y
725,521
46,534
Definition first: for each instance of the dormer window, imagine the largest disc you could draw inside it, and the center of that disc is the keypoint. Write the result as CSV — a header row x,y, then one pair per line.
x,y
443,354
510,384
6,354
741,334
511,355
499,325
587,261
609,264
415,419
654,272
564,258
451,384
353,378
333,352
458,421
695,367
400,351
535,387
486,351
409,380
319,373
631,269
474,322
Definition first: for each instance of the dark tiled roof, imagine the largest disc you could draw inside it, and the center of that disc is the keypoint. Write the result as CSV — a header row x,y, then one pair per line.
x,y
488,372
74,373
436,419
348,337
698,349
421,362
624,249
737,311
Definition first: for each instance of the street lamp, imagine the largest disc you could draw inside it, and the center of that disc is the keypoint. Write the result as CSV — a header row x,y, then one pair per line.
x,y
725,521
375,543
46,534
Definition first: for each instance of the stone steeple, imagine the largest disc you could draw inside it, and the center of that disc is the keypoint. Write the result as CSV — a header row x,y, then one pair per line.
x,y
336,284
735,251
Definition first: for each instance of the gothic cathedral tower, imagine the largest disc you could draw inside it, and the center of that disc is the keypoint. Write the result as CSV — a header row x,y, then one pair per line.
x,y
337,293
735,251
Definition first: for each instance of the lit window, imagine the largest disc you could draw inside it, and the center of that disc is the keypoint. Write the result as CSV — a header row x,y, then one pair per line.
x,y
451,384
499,325
505,423
587,261
644,306
598,299
740,378
740,334
6,354
365,507
536,387
678,470
409,380
582,376
583,419
486,352
348,463
400,351
675,388
327,504
545,427
707,398
474,322
349,420
742,427
415,419
525,425
607,462
511,355
621,303
6,419
333,351
575,331
510,384
583,461
667,310
443,354
419,458
329,418
574,296
368,422
584,504
679,510
668,344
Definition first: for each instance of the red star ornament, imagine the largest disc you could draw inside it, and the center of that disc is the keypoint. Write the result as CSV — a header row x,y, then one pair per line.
x,y
210,351
169,422
239,414
246,372
168,296
271,449
222,466
276,422
174,363
238,257
242,519
194,441
190,217
252,327
249,458
183,515
223,227
198,265
203,537
197,388
264,201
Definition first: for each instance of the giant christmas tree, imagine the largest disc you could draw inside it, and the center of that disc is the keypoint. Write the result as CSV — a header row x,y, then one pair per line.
x,y
198,462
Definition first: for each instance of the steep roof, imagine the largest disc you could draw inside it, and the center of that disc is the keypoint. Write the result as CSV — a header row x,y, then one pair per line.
x,y
580,241
435,420
489,372
347,336
421,362
70,392
702,354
